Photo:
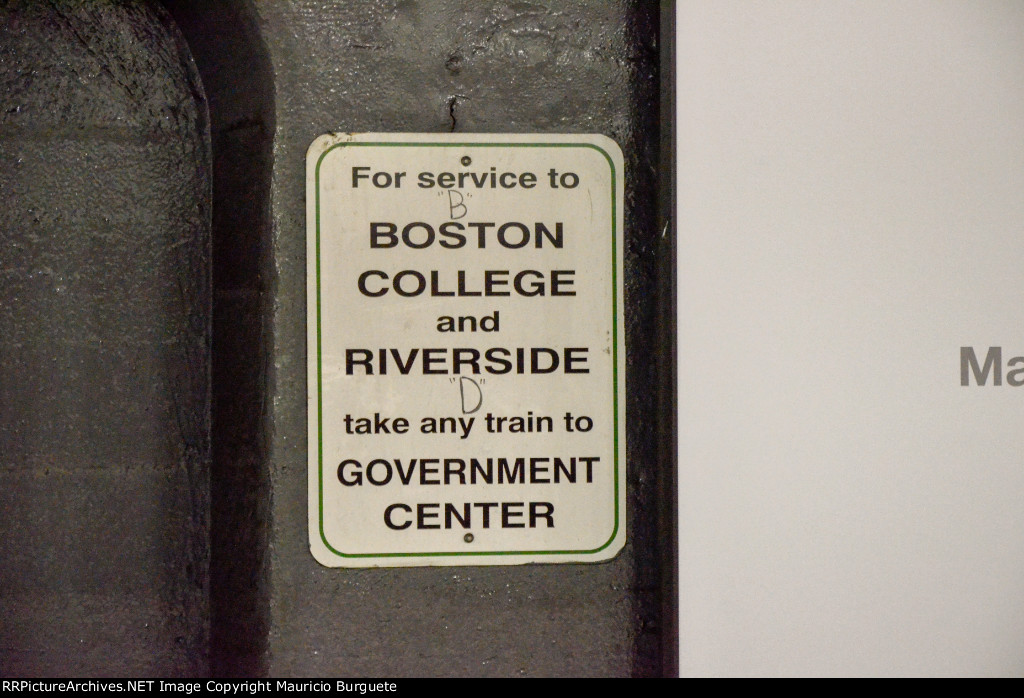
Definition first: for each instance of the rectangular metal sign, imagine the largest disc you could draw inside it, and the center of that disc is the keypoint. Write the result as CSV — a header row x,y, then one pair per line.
x,y
465,349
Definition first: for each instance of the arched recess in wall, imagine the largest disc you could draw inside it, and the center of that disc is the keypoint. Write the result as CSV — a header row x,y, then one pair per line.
x,y
238,79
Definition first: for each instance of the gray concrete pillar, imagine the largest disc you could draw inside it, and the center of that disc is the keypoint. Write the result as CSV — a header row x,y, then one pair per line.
x,y
465,66
104,343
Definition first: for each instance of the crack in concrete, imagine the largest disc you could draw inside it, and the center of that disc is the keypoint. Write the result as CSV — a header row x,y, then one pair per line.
x,y
453,102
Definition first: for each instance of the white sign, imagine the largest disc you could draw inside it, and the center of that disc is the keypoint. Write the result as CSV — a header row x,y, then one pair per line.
x,y
466,352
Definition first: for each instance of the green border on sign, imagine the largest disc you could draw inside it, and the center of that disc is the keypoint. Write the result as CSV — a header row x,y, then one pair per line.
x,y
615,351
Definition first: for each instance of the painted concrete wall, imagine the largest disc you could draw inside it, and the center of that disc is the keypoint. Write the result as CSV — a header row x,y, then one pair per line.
x,y
473,67
105,429
104,334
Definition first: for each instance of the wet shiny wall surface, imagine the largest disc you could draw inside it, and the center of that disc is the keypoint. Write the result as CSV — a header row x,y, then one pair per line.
x,y
506,67
105,312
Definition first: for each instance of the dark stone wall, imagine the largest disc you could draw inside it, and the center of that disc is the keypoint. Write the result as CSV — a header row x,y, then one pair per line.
x,y
462,65
235,69
105,305
104,336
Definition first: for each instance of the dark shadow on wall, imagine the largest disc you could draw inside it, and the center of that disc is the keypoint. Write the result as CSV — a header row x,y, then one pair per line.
x,y
646,472
666,345
238,79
